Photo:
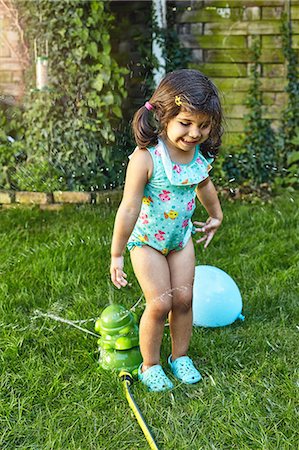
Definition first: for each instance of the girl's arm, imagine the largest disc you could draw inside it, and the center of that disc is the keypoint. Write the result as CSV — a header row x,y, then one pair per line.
x,y
207,195
138,172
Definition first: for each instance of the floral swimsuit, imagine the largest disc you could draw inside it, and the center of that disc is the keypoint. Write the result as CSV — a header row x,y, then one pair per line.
x,y
168,203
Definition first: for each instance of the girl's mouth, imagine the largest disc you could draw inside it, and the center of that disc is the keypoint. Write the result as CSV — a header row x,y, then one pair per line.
x,y
189,142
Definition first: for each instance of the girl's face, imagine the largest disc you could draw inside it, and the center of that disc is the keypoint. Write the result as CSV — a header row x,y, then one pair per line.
x,y
187,129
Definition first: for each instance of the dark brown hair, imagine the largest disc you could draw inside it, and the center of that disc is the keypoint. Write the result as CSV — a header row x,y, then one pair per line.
x,y
197,93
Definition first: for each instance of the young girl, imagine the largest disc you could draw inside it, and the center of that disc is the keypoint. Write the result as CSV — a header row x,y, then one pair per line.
x,y
178,132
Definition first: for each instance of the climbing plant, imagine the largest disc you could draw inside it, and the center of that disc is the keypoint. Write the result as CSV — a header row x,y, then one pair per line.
x,y
176,56
255,160
11,149
70,128
288,135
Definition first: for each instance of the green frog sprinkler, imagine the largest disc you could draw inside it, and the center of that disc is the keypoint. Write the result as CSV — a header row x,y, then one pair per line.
x,y
119,341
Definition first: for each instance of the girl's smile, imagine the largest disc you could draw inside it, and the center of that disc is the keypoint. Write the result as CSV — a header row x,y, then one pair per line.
x,y
186,130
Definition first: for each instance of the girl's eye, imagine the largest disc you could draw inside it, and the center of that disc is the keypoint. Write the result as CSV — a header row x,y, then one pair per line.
x,y
205,125
184,124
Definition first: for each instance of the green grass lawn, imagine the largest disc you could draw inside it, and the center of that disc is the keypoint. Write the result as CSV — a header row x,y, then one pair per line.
x,y
53,394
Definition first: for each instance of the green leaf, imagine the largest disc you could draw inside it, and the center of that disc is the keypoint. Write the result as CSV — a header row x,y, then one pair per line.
x,y
98,83
108,99
92,49
104,133
295,140
292,158
117,111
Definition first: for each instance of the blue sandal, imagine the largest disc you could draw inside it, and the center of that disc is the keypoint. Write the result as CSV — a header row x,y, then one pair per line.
x,y
155,378
183,369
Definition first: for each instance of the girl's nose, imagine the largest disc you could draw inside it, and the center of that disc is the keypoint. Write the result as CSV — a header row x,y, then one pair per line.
x,y
194,132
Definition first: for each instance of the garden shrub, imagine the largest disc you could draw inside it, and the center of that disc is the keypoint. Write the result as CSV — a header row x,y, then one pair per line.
x,y
11,149
70,128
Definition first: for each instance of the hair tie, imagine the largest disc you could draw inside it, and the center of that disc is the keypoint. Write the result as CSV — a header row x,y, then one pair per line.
x,y
148,106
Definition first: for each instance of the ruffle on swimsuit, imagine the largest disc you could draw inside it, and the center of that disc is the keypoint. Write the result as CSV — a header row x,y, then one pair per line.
x,y
184,174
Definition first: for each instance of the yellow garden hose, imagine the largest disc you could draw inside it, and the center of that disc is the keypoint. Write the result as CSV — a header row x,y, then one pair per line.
x,y
127,380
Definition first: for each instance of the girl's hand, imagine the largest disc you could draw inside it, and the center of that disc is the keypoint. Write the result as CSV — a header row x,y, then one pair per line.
x,y
116,271
209,228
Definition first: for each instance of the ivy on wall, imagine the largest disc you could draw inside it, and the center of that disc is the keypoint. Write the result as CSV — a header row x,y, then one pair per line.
x,y
288,136
255,158
265,155
175,55
69,128
11,149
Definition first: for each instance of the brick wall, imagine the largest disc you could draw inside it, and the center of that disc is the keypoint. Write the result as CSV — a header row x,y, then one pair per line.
x,y
220,34
13,54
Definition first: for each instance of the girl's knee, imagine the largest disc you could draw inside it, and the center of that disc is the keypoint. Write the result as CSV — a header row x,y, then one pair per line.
x,y
182,302
159,309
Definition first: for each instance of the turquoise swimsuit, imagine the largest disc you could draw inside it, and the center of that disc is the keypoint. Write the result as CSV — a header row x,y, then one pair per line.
x,y
168,203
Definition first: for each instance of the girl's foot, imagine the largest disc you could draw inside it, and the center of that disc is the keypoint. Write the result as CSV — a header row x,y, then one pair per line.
x,y
155,378
183,369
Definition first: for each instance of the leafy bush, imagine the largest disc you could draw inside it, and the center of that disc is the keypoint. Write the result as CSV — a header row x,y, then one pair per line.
x,y
69,128
11,149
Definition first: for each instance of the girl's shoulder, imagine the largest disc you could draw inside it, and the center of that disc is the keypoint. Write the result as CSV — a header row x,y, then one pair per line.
x,y
140,153
141,159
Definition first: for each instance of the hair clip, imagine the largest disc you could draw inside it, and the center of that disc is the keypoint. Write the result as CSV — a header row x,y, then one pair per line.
x,y
148,106
178,100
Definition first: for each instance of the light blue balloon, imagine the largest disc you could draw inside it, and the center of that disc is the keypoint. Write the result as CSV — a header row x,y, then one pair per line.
x,y
217,300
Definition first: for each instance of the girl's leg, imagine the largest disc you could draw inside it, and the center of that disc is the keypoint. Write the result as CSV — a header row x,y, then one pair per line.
x,y
182,267
152,272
